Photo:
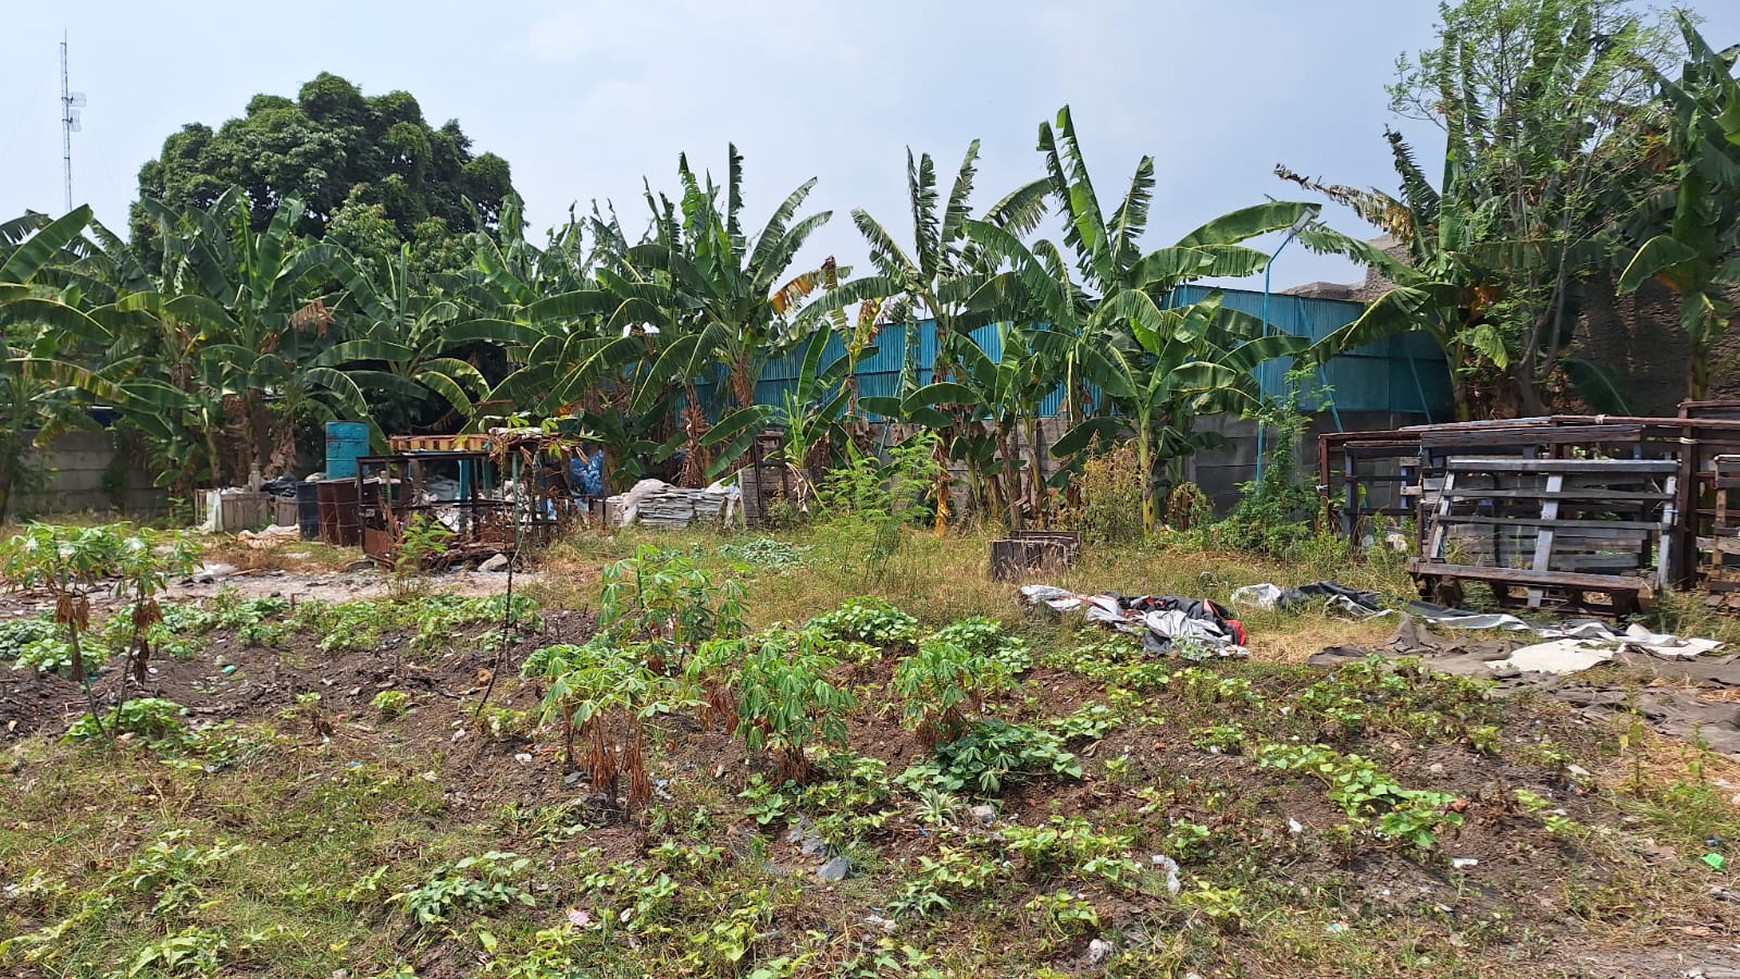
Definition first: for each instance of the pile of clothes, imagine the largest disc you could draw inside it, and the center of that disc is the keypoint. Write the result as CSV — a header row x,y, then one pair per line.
x,y
1195,628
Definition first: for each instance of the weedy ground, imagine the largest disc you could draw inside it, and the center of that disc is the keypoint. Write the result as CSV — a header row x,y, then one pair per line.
x,y
323,788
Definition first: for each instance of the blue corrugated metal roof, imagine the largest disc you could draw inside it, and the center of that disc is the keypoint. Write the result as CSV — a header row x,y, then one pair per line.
x,y
1402,374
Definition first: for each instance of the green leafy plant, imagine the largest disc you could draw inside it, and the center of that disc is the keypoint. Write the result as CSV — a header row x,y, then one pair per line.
x,y
941,684
482,883
871,620
421,540
38,644
990,755
1066,913
867,507
605,693
67,562
151,718
984,636
785,702
1090,722
1369,794
391,703
666,601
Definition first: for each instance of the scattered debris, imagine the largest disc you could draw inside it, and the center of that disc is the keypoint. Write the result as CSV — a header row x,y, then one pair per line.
x,y
1199,627
1675,708
1169,867
835,869
655,503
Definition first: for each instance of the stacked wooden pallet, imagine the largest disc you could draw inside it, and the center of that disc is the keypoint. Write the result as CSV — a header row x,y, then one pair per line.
x,y
1558,529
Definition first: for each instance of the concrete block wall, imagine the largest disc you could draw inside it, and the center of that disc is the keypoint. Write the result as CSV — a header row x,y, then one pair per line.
x,y
87,472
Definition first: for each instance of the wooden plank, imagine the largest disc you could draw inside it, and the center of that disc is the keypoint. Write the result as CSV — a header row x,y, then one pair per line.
x,y
1664,467
1544,540
1594,493
1436,550
1526,576
1567,523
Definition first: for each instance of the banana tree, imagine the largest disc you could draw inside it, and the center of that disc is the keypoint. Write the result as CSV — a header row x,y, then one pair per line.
x,y
36,326
1698,256
1108,251
1187,361
937,277
998,392
727,285
401,346
255,300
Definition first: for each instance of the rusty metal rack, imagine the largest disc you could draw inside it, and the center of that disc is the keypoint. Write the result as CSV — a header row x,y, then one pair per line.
x,y
494,492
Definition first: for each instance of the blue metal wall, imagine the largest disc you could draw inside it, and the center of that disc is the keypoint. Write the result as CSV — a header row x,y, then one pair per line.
x,y
1402,374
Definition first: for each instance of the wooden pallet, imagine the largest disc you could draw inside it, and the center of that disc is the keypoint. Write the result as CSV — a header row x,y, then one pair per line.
x,y
1558,530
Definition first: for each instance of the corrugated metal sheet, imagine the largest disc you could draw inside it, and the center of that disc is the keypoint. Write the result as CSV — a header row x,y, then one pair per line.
x,y
1401,374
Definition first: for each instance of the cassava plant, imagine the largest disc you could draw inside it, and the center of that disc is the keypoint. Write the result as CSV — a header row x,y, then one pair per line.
x,y
144,561
942,684
605,693
785,701
667,602
66,562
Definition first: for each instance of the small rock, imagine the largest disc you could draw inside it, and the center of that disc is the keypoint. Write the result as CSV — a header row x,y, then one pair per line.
x,y
1098,951
524,758
1435,769
571,778
984,814
498,563
835,869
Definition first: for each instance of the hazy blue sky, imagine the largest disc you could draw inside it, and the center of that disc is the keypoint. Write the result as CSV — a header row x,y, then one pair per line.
x,y
586,98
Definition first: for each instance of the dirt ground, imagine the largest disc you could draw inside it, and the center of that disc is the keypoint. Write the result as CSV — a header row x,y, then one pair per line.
x,y
1518,870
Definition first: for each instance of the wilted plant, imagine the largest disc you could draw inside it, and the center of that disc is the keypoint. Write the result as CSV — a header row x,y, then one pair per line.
x,y
67,562
605,693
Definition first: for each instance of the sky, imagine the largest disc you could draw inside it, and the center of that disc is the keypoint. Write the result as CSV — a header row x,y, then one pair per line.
x,y
586,98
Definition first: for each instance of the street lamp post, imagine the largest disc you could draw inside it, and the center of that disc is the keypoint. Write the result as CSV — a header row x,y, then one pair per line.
x,y
1304,220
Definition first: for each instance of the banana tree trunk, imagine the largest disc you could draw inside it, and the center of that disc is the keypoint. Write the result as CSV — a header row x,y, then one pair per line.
x,y
1036,467
1145,466
1011,476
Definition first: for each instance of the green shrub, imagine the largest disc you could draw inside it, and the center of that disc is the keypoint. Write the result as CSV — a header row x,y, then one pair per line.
x,y
991,754
391,703
151,718
871,620
481,883
941,684
984,636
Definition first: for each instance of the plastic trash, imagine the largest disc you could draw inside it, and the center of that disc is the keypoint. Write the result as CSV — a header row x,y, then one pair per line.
x,y
1264,596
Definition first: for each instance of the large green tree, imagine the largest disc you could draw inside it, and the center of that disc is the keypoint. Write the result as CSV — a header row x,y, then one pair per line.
x,y
1549,132
1695,250
328,146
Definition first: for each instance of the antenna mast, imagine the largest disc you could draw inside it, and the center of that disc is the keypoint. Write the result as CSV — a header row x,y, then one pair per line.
x,y
70,102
